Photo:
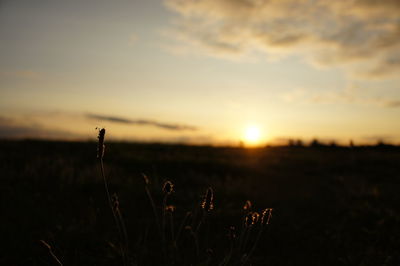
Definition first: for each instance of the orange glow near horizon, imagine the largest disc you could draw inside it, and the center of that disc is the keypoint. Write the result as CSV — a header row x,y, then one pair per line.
x,y
252,135
274,78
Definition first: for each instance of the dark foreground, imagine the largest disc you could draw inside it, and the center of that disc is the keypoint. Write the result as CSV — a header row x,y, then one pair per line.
x,y
332,206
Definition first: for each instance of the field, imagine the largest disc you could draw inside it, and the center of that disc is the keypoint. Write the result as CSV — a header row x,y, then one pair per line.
x,y
331,205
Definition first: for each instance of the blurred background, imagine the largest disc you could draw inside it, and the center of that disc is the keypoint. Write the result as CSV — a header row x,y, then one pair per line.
x,y
201,72
291,104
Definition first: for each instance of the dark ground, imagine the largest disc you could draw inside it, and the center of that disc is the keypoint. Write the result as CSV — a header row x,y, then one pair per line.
x,y
332,205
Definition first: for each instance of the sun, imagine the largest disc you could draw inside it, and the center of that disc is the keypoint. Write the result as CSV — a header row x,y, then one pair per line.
x,y
252,134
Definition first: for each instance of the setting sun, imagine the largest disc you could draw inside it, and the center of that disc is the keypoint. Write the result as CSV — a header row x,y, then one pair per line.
x,y
252,134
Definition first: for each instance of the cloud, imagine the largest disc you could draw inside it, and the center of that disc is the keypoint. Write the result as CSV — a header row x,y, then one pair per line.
x,y
22,74
143,122
353,34
392,103
387,67
12,129
182,139
59,125
349,95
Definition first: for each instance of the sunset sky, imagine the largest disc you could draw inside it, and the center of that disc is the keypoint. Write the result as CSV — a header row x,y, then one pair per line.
x,y
201,71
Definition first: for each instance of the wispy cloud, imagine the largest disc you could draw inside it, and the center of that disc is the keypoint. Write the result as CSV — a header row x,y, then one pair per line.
x,y
349,95
75,125
354,34
142,122
14,129
21,74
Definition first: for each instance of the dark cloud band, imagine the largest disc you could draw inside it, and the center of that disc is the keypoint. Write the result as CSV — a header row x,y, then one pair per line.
x,y
143,122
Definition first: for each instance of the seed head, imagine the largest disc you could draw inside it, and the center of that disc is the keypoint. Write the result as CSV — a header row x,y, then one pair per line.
x,y
115,202
101,146
254,218
247,219
168,187
170,208
251,219
247,205
188,228
208,200
266,216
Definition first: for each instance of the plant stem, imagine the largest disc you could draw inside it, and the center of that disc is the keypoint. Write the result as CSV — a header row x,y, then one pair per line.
x,y
123,251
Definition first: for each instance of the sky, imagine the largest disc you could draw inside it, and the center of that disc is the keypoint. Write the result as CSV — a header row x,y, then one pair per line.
x,y
201,71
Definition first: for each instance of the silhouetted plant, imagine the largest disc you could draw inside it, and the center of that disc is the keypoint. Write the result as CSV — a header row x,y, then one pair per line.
x,y
240,250
113,201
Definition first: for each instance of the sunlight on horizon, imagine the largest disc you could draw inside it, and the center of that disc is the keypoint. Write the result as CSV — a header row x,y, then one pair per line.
x,y
200,71
252,135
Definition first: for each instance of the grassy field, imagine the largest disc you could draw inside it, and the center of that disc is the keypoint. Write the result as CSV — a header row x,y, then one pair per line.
x,y
332,205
